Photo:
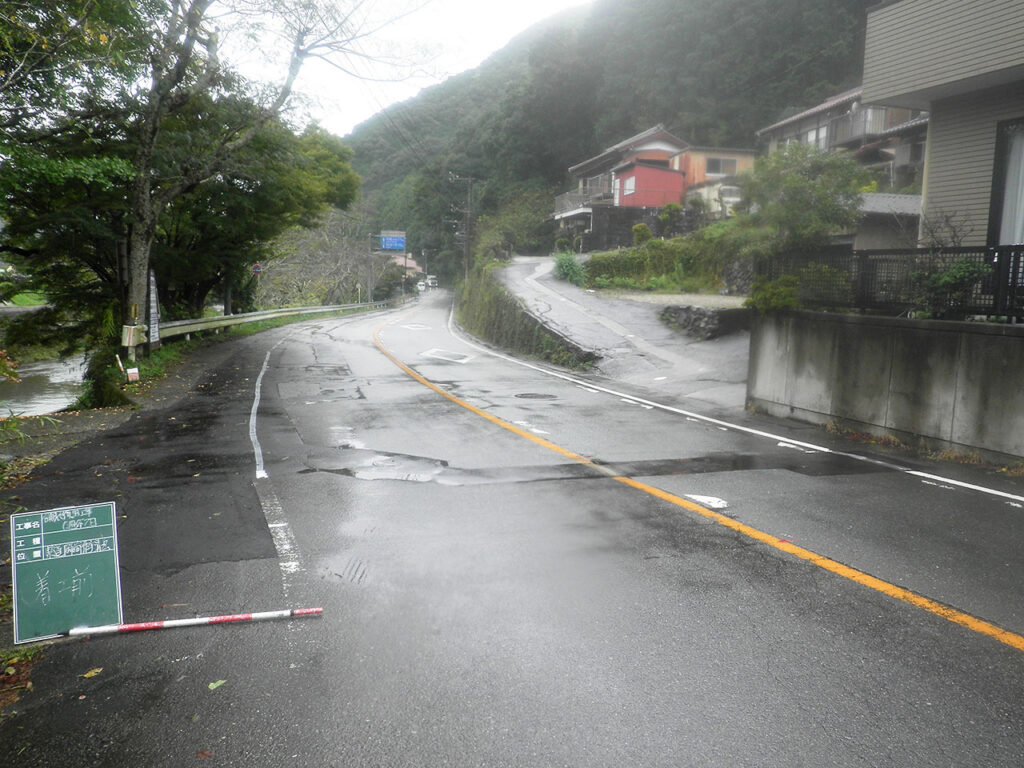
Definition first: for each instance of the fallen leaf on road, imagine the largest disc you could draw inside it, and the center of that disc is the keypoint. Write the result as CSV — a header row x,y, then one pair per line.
x,y
218,684
93,672
202,754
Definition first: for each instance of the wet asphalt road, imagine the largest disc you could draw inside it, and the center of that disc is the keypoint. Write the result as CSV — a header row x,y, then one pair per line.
x,y
490,600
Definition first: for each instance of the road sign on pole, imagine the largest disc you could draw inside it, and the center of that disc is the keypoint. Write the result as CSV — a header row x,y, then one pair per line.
x,y
65,568
392,240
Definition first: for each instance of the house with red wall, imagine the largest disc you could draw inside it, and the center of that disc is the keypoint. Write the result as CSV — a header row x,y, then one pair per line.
x,y
626,184
642,184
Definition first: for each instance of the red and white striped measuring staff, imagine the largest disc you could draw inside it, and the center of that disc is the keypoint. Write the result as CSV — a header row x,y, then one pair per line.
x,y
109,629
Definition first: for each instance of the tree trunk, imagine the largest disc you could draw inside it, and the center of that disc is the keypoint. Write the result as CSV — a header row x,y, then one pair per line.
x,y
139,245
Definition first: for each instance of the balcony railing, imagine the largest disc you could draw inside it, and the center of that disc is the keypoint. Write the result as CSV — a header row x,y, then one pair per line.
x,y
597,190
862,124
570,201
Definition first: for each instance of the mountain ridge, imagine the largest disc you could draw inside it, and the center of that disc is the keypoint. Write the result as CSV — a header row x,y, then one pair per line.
x,y
588,77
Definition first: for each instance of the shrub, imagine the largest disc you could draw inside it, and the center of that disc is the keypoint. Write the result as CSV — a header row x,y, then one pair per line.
x,y
630,263
671,218
773,295
568,269
947,292
641,233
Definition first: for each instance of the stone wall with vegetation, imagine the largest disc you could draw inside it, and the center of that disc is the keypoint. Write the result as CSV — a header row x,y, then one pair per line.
x,y
488,311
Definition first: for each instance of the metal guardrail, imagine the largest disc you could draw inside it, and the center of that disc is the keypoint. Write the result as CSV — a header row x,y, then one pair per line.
x,y
185,327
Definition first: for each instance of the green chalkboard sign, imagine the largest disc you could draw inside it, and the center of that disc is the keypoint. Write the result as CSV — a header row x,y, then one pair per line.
x,y
65,570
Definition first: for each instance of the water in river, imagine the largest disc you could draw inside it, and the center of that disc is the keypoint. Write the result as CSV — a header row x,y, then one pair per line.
x,y
46,386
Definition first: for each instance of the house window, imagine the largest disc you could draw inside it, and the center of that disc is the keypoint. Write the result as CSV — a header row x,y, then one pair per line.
x,y
816,137
1007,216
629,185
721,166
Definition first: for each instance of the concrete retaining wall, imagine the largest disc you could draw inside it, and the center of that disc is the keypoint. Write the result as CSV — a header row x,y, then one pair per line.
x,y
941,384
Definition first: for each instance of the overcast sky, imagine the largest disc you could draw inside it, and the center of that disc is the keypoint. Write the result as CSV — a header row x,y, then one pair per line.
x,y
448,36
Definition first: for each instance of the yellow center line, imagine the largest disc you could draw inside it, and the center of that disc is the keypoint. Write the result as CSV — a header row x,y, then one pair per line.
x,y
947,612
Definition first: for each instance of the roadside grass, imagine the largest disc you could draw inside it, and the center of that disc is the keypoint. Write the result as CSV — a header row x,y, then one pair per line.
x,y
28,300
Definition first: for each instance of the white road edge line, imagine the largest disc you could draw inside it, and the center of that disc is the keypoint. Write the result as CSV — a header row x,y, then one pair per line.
x,y
256,449
273,511
725,425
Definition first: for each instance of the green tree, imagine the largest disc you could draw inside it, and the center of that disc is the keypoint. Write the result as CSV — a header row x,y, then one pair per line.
x,y
804,195
68,210
209,238
671,219
54,56
519,225
65,210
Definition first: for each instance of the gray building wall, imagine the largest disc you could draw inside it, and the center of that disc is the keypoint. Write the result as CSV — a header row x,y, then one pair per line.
x,y
961,155
943,384
917,51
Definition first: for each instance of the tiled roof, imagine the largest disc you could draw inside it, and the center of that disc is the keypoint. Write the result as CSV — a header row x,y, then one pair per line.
x,y
833,101
658,130
907,126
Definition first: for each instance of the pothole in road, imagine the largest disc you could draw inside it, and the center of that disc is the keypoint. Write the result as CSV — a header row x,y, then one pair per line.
x,y
536,396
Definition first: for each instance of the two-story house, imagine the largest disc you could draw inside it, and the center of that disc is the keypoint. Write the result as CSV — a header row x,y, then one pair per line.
x,y
626,184
890,140
710,174
964,64
633,180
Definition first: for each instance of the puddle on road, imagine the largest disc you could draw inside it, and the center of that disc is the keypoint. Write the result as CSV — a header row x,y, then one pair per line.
x,y
363,464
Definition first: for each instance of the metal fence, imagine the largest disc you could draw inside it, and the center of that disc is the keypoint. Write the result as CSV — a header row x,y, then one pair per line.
x,y
944,282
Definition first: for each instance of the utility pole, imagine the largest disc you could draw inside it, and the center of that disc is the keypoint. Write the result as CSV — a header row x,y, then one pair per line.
x,y
370,276
467,221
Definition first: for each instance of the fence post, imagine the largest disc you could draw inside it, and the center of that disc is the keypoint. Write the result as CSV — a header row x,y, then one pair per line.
x,y
1015,282
860,266
1001,260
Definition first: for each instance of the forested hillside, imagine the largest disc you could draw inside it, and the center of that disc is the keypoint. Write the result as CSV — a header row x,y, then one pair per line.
x,y
712,71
